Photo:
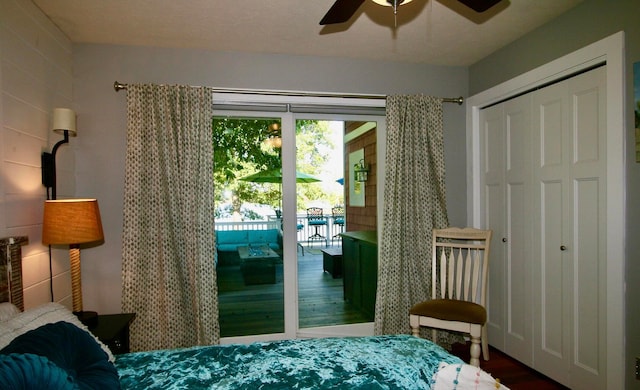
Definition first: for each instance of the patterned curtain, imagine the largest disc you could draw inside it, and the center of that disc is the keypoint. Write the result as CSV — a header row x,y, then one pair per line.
x,y
415,204
168,265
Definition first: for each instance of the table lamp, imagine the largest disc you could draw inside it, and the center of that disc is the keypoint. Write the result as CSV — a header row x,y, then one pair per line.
x,y
73,222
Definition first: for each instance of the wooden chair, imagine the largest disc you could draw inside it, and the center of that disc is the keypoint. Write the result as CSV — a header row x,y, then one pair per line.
x,y
460,265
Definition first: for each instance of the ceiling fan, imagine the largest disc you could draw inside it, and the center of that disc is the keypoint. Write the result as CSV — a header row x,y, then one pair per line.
x,y
343,10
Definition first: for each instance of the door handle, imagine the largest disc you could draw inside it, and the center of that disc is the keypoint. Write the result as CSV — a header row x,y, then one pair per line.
x,y
563,248
504,239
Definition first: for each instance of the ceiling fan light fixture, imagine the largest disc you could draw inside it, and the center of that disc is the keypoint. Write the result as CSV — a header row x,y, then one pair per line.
x,y
392,3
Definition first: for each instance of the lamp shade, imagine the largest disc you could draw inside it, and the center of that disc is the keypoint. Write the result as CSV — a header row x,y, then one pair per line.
x,y
71,222
64,119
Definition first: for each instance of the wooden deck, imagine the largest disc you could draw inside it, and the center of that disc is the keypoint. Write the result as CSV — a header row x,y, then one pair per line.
x,y
259,309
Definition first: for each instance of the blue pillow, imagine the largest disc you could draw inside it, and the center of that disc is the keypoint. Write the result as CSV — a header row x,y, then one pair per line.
x,y
29,371
73,350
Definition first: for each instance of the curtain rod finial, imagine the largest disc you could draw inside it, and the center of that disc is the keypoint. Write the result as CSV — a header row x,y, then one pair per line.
x,y
118,86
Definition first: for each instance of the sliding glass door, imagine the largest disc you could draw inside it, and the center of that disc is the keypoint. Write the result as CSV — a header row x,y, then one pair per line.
x,y
273,172
248,224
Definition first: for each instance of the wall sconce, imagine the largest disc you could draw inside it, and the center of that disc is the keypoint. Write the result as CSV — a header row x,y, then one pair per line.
x,y
64,122
73,222
361,171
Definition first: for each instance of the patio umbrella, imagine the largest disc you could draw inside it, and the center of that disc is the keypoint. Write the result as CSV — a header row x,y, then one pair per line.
x,y
275,176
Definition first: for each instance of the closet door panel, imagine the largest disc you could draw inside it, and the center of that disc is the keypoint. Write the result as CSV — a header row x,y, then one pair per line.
x,y
588,173
586,275
551,289
586,125
551,142
518,226
517,278
552,301
494,216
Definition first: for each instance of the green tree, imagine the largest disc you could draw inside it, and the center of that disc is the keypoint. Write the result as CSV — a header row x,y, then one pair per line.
x,y
239,151
314,148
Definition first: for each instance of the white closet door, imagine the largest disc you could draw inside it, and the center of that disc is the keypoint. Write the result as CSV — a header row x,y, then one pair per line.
x,y
570,230
506,196
551,282
493,193
519,330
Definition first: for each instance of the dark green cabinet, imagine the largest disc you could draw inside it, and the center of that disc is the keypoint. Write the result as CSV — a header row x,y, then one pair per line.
x,y
360,270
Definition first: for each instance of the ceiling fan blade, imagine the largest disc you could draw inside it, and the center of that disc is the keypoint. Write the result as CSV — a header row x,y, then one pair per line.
x,y
479,5
341,11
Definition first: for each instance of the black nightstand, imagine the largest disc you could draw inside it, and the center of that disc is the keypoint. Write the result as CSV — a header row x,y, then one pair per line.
x,y
113,330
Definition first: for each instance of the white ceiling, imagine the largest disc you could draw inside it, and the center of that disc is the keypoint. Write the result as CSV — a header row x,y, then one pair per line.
x,y
438,32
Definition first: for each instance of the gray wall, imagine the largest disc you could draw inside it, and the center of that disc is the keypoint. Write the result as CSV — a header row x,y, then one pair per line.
x,y
589,22
102,121
35,76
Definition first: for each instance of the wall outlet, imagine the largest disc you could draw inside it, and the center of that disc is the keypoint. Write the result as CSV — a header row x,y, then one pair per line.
x,y
638,368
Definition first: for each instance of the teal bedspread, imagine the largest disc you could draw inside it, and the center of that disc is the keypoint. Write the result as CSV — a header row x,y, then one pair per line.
x,y
378,362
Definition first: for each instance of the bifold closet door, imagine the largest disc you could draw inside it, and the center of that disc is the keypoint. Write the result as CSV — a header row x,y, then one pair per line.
x,y
543,194
493,194
569,228
507,197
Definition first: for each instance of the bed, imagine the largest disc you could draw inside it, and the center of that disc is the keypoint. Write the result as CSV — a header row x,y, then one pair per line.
x,y
47,347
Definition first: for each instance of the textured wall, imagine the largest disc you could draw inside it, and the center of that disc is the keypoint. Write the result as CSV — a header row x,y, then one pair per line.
x,y
35,77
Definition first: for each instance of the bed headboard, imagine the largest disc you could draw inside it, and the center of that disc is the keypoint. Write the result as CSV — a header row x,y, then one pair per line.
x,y
11,270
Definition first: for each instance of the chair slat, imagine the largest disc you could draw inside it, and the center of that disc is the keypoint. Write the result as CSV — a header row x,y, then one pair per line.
x,y
450,280
443,274
476,276
467,275
460,263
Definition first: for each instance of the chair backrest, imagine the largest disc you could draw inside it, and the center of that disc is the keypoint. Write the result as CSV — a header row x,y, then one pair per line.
x,y
460,264
314,213
338,215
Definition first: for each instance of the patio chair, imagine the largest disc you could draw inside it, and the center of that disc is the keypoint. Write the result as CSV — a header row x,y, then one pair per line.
x,y
299,227
315,220
338,222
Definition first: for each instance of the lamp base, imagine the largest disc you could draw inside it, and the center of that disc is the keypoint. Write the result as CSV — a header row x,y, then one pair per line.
x,y
88,318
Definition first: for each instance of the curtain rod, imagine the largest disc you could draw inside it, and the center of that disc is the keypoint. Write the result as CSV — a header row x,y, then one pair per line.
x,y
119,86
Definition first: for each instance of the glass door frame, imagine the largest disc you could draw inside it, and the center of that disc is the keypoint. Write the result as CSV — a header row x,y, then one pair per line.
x,y
289,210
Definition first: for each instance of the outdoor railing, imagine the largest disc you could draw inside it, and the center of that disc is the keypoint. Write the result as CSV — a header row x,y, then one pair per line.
x,y
329,231
248,225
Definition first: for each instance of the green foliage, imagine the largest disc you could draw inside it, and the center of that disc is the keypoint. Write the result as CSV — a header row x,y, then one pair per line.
x,y
239,151
314,149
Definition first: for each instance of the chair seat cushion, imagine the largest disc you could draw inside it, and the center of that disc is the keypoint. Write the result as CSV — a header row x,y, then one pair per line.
x,y
451,310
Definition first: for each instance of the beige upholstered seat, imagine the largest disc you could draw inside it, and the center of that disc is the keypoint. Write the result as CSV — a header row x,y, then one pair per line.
x,y
460,265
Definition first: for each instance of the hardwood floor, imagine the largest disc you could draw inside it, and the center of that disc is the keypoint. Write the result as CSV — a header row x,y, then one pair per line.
x,y
259,309
511,373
